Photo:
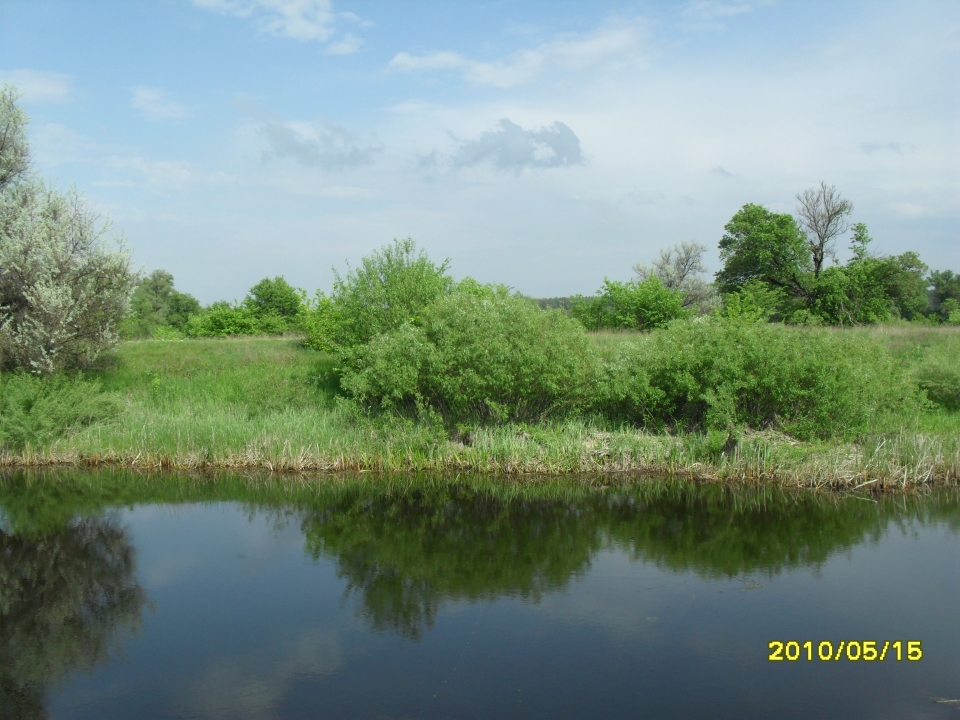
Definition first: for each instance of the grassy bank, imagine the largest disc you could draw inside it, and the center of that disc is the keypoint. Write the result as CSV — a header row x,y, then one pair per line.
x,y
269,403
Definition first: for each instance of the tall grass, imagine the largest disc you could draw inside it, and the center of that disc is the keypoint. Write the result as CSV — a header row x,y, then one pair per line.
x,y
269,403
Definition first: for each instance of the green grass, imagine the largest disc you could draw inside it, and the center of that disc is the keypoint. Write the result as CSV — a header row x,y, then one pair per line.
x,y
269,403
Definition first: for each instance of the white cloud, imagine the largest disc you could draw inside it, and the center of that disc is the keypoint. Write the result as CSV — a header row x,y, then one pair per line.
x,y
616,43
305,20
38,85
154,104
347,46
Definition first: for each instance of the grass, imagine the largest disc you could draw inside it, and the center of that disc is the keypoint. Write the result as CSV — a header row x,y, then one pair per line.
x,y
269,403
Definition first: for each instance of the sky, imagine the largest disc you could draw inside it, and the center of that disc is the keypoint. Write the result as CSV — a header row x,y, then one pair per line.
x,y
544,145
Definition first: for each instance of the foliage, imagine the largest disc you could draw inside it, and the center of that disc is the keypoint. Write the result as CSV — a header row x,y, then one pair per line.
x,y
156,304
393,286
14,147
63,291
275,297
729,372
937,372
945,293
762,245
634,305
478,354
36,410
680,268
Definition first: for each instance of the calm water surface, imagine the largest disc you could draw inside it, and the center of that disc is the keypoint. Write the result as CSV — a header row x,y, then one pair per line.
x,y
126,596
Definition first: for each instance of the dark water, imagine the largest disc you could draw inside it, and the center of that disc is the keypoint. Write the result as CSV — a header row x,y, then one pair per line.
x,y
126,596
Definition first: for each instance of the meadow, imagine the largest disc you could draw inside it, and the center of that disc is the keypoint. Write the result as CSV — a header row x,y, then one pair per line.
x,y
270,403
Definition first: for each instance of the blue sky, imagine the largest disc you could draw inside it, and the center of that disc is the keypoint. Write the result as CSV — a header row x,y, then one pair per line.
x,y
545,145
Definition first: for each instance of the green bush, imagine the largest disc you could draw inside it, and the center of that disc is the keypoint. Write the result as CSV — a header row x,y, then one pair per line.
x,y
393,286
224,320
36,410
938,374
478,354
722,373
274,298
634,305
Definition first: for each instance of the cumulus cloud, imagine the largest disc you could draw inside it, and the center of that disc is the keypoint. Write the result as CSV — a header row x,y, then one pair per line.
x,y
513,148
305,20
614,43
38,85
155,104
321,144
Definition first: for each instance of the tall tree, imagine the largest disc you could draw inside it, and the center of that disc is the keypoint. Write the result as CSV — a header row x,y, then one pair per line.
x,y
766,246
824,214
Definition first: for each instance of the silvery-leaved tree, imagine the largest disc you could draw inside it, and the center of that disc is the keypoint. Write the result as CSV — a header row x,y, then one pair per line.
x,y
65,278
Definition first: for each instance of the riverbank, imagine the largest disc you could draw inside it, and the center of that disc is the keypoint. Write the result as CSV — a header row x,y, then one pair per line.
x,y
269,403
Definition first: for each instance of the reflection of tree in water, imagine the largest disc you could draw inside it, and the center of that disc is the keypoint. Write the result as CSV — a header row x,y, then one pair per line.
x,y
407,554
64,596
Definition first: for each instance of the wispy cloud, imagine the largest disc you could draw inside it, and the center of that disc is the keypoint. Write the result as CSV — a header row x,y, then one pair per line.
x,y
155,104
38,85
614,43
709,14
305,20
322,144
512,148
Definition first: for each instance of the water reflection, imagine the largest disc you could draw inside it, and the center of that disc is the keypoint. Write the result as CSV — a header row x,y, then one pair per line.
x,y
67,597
407,553
244,638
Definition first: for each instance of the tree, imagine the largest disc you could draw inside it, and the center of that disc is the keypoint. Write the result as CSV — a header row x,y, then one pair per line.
x,y
679,268
766,246
14,148
63,291
824,215
274,297
945,293
156,303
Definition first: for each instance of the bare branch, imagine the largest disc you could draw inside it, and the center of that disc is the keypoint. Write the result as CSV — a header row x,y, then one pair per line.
x,y
824,214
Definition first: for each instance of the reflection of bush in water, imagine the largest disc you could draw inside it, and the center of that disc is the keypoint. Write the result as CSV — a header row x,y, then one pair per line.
x,y
64,595
408,554
408,544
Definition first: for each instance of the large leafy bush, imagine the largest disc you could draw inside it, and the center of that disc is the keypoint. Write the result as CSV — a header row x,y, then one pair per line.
x,y
727,372
478,354
393,286
63,289
636,305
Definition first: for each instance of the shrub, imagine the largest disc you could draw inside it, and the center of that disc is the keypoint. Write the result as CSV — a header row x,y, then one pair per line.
x,y
36,410
729,372
938,374
478,354
391,287
635,305
63,292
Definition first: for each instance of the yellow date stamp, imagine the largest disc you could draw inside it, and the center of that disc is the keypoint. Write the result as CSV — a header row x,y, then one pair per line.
x,y
850,650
